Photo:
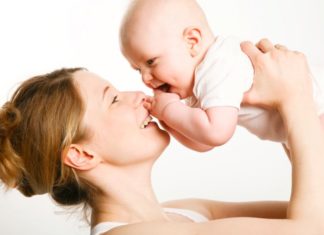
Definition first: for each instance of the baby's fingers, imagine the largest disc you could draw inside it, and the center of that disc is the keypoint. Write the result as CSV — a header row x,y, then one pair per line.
x,y
149,99
157,92
148,102
148,106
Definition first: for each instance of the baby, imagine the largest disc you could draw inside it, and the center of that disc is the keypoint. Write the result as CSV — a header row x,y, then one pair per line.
x,y
171,44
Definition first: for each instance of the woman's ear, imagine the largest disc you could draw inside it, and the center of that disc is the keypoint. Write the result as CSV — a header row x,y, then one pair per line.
x,y
80,159
193,38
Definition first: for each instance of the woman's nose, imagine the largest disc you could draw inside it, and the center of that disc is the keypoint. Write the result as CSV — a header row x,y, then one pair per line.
x,y
138,98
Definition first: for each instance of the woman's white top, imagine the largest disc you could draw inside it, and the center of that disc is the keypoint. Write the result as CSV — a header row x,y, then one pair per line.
x,y
192,215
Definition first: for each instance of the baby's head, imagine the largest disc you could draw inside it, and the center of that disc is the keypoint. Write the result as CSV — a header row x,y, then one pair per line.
x,y
165,40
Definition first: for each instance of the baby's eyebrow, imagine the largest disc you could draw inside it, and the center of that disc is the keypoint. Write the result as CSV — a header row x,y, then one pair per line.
x,y
104,91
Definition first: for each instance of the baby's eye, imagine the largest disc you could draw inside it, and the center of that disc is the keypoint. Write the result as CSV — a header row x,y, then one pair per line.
x,y
115,99
150,61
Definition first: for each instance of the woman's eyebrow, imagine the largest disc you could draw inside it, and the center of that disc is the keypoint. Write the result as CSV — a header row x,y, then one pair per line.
x,y
104,91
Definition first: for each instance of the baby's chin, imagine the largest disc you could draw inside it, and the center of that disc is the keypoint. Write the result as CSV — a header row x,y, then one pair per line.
x,y
181,94
169,89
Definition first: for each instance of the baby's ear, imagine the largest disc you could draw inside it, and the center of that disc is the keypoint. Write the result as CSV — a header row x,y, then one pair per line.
x,y
193,38
79,158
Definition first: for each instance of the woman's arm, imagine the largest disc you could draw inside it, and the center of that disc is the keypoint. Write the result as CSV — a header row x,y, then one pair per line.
x,y
262,209
290,80
281,82
232,226
219,210
286,85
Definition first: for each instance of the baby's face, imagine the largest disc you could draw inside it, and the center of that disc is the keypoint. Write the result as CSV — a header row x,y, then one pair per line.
x,y
163,60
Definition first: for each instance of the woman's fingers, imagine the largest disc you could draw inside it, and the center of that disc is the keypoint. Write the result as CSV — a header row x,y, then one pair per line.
x,y
281,47
265,45
250,50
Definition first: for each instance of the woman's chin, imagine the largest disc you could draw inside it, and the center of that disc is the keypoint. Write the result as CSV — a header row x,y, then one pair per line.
x,y
165,141
167,137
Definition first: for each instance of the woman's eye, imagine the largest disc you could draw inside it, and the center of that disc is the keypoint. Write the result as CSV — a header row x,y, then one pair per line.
x,y
150,61
115,99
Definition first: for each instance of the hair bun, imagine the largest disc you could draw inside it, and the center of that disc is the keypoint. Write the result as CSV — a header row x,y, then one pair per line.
x,y
69,194
24,187
9,118
11,167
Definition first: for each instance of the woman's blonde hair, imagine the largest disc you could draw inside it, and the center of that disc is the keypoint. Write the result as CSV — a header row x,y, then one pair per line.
x,y
40,121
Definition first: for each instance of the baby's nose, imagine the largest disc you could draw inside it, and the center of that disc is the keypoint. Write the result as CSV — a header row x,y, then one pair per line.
x,y
147,78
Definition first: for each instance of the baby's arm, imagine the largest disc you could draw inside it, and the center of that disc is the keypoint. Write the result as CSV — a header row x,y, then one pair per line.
x,y
211,127
186,141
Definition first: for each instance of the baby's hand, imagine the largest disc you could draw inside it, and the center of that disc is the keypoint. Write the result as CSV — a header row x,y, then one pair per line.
x,y
157,104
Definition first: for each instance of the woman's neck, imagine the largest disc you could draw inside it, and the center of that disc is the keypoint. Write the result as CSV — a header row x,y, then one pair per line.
x,y
126,196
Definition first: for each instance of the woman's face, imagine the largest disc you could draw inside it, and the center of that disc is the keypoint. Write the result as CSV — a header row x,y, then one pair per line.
x,y
117,122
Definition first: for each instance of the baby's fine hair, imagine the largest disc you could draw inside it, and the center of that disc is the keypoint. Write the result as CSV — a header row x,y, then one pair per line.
x,y
174,14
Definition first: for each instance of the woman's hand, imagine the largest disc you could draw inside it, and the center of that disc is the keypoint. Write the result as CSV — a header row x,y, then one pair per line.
x,y
282,80
280,76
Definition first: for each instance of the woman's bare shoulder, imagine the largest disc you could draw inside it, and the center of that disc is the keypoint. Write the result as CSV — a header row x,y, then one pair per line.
x,y
156,228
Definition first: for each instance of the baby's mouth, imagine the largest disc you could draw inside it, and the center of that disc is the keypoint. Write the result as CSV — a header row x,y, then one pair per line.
x,y
164,87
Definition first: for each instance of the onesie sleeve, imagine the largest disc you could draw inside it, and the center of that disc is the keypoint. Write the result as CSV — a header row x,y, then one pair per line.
x,y
224,75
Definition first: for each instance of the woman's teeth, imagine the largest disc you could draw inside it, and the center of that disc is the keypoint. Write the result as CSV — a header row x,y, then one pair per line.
x,y
146,122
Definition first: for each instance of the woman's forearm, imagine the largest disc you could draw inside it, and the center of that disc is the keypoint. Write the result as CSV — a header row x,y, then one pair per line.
x,y
306,140
282,81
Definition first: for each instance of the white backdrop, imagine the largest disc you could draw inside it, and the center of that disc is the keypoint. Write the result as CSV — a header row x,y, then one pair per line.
x,y
39,36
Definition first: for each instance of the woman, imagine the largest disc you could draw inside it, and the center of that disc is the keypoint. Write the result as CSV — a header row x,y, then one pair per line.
x,y
73,135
